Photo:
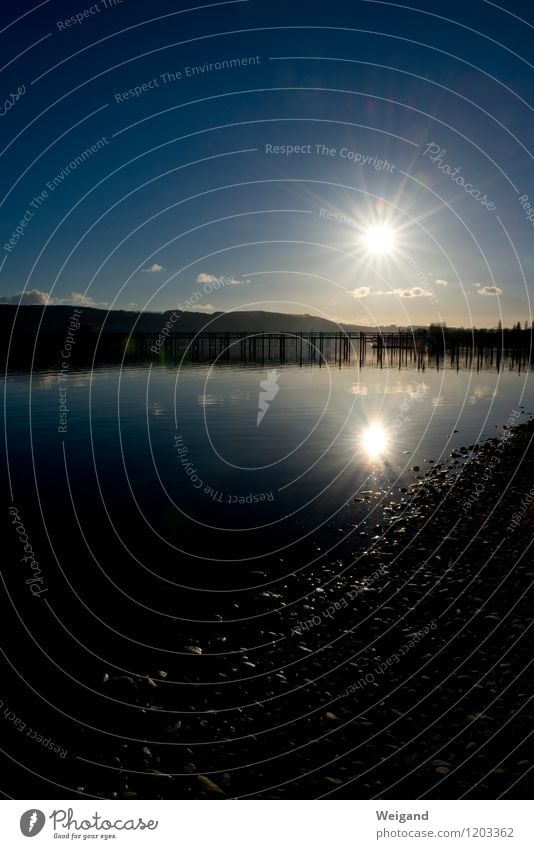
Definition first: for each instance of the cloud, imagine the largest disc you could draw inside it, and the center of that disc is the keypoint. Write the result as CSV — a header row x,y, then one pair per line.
x,y
362,292
222,281
34,297
414,292
209,308
79,300
489,290
154,268
441,282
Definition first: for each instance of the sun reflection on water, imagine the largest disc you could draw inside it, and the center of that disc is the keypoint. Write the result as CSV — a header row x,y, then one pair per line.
x,y
374,441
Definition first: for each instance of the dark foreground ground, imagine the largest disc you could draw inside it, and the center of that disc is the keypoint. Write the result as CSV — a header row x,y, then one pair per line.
x,y
409,680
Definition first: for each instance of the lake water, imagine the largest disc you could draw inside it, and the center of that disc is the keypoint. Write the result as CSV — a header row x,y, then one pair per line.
x,y
173,591
172,467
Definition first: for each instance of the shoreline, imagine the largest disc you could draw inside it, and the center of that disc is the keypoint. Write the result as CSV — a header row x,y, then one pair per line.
x,y
400,673
385,687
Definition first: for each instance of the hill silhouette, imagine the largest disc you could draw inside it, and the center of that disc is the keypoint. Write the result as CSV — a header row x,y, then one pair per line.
x,y
54,319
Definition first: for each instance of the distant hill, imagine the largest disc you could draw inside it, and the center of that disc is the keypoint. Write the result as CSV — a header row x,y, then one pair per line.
x,y
55,319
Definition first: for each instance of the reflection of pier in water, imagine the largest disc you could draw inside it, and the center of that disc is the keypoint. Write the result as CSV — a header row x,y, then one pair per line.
x,y
480,349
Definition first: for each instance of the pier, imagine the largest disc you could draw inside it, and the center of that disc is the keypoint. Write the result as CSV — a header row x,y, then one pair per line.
x,y
419,349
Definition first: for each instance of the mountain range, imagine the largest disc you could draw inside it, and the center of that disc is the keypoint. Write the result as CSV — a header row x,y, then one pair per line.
x,y
55,318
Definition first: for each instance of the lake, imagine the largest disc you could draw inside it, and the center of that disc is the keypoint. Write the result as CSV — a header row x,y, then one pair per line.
x,y
175,461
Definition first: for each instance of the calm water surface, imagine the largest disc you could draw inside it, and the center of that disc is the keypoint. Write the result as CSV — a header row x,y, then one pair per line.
x,y
177,457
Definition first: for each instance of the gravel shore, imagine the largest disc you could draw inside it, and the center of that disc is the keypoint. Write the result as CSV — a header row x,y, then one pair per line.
x,y
409,680
390,661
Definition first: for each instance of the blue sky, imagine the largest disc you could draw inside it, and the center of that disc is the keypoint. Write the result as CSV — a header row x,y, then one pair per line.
x,y
395,118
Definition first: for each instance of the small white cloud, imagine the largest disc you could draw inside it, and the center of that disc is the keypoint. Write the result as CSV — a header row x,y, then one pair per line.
x,y
414,292
34,297
79,300
362,292
221,280
441,282
489,290
155,268
209,308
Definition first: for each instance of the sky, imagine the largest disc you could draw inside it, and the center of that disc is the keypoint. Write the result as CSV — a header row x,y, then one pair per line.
x,y
366,161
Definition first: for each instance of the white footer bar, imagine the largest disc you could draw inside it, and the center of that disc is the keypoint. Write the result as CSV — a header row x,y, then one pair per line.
x,y
269,824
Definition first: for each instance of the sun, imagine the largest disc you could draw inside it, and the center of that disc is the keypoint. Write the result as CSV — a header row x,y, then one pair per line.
x,y
379,239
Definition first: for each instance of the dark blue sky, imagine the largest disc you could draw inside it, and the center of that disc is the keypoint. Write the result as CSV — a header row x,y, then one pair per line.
x,y
406,121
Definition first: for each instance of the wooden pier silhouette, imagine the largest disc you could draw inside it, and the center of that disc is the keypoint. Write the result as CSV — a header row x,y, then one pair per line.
x,y
419,349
